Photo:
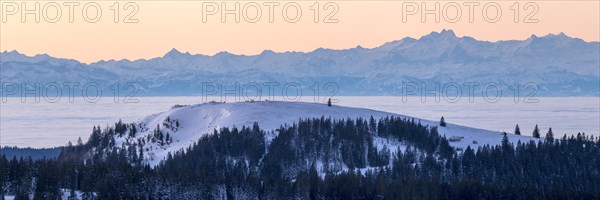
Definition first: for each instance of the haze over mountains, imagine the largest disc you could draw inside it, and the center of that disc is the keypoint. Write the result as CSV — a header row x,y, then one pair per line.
x,y
557,64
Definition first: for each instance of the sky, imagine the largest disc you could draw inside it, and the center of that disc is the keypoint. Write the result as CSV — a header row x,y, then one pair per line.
x,y
90,31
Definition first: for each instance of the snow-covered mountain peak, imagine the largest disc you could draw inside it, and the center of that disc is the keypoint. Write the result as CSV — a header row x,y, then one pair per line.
x,y
532,37
561,34
174,53
267,52
39,59
447,33
13,55
442,35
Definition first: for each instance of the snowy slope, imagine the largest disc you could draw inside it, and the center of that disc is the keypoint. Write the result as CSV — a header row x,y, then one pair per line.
x,y
201,119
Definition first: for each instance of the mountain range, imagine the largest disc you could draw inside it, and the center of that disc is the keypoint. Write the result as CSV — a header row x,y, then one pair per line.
x,y
557,65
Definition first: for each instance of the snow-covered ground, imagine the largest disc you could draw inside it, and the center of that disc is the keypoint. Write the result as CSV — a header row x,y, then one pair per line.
x,y
198,120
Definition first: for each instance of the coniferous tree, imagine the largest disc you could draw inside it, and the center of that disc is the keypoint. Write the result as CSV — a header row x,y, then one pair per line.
x,y
46,186
549,135
132,131
168,138
506,145
517,130
141,156
79,142
372,125
329,102
314,182
536,132
442,122
505,141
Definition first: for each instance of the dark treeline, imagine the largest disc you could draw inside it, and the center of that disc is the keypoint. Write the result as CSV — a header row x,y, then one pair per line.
x,y
34,153
317,158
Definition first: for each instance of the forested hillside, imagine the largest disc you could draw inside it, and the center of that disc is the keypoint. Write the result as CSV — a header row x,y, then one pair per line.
x,y
315,158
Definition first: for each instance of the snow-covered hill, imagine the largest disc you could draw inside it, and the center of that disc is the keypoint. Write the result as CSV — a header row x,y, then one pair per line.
x,y
197,120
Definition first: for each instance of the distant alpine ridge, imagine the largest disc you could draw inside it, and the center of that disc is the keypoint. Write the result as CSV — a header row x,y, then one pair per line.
x,y
557,65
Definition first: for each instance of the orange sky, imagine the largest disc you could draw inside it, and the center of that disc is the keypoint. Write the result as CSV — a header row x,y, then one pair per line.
x,y
190,26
